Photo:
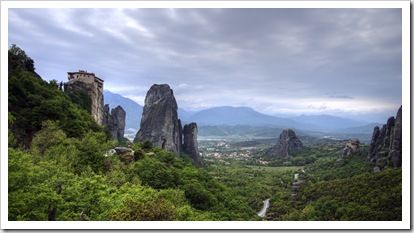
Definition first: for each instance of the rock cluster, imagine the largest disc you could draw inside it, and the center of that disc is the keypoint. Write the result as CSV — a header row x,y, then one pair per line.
x,y
386,144
115,121
160,124
351,148
287,143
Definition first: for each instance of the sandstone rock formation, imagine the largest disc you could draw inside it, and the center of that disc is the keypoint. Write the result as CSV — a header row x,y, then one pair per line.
x,y
93,85
190,144
159,122
351,148
287,143
386,144
396,140
115,121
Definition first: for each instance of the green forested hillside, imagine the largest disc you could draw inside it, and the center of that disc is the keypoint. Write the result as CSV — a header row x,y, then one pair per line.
x,y
342,189
32,100
68,181
364,197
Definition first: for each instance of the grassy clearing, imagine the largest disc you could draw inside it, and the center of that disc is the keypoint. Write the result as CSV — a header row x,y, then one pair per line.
x,y
276,169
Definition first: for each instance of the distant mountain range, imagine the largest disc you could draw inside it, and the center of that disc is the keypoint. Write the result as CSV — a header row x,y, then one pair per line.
x,y
245,116
328,122
237,116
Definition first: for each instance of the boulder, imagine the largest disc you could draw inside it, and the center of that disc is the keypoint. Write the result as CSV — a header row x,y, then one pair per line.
x,y
126,155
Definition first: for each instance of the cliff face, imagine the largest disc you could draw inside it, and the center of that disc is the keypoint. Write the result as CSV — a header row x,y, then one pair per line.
x,y
115,121
287,142
386,144
95,91
190,144
159,122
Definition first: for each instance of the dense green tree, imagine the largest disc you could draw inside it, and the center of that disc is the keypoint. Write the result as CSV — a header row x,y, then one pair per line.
x,y
92,148
198,196
154,173
49,136
19,59
12,142
151,210
81,98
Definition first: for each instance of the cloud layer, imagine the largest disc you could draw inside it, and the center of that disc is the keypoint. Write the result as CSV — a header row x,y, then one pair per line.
x,y
278,61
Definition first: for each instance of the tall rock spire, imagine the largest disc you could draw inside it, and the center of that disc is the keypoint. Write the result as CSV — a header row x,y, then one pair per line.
x,y
159,123
115,121
190,144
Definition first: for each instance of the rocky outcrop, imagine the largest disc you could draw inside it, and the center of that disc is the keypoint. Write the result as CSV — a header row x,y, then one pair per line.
x,y
126,155
287,143
159,122
190,144
386,144
396,140
351,148
114,121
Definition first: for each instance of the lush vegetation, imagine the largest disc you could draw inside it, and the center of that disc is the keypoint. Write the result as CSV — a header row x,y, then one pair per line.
x,y
63,178
335,188
59,168
342,189
32,101
364,197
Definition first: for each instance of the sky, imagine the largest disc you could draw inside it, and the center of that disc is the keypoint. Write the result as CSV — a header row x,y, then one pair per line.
x,y
284,62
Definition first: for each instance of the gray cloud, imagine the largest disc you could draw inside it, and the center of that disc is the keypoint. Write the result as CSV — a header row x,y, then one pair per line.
x,y
274,60
341,97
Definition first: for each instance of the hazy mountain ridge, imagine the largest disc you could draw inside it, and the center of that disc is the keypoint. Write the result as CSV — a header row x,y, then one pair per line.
x,y
227,120
227,115
328,122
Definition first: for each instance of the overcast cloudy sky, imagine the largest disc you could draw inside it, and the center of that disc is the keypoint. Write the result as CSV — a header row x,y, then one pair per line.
x,y
343,62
